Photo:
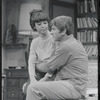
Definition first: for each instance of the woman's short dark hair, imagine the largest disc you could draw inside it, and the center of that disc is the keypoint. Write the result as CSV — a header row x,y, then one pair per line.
x,y
63,22
37,16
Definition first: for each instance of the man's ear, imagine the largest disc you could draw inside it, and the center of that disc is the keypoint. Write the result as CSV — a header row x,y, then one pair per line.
x,y
63,32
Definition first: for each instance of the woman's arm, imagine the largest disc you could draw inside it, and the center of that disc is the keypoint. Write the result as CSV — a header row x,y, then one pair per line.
x,y
31,63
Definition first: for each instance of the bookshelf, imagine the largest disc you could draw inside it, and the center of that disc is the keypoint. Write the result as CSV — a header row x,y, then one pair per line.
x,y
87,26
15,45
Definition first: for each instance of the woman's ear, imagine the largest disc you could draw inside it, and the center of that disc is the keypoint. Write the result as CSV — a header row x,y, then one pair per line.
x,y
35,28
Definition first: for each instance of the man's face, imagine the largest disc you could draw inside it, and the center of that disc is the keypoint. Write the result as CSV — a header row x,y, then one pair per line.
x,y
56,33
42,27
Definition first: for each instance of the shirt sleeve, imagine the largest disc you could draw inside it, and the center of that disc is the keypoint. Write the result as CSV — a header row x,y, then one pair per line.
x,y
59,58
32,60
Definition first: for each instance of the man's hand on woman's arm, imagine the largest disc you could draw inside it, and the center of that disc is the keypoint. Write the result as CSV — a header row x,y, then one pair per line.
x,y
46,77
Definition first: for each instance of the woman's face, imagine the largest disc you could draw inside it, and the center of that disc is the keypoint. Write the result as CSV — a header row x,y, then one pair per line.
x,y
42,27
56,33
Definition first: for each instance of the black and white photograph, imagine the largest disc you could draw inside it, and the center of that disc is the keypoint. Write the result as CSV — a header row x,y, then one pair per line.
x,y
50,49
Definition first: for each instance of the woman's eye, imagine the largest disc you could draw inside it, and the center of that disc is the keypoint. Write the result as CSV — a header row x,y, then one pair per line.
x,y
39,24
45,22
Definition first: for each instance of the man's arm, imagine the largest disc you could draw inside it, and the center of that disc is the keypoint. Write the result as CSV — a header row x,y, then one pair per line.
x,y
42,67
58,60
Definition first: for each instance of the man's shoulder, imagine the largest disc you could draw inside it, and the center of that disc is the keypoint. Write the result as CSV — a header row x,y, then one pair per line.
x,y
63,48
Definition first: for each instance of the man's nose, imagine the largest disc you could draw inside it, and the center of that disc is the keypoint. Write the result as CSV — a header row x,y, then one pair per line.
x,y
51,33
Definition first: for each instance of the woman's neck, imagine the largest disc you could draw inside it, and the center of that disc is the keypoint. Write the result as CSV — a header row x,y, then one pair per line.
x,y
44,36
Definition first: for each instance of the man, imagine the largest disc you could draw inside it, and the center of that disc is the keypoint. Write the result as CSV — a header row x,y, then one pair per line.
x,y
69,60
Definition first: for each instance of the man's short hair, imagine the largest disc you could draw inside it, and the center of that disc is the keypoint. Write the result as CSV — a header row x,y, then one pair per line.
x,y
37,15
63,22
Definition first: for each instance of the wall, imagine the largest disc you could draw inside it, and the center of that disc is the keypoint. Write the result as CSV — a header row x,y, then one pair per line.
x,y
12,14
16,56
4,21
64,7
26,7
93,74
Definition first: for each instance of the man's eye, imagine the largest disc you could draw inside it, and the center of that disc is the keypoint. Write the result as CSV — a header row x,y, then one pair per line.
x,y
53,29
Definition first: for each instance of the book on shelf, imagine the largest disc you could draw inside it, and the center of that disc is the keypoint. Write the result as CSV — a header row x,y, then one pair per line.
x,y
78,7
81,23
82,35
91,50
95,21
86,6
89,5
91,34
94,36
89,22
95,50
93,9
87,36
78,35
92,22
85,22
87,48
81,8
78,23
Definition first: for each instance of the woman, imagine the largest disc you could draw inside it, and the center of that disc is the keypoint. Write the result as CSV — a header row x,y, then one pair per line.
x,y
41,47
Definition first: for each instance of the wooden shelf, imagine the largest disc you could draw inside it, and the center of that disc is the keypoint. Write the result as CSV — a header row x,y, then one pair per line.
x,y
89,43
87,14
93,28
13,84
92,57
15,45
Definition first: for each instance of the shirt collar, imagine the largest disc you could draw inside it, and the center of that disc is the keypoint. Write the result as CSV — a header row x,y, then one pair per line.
x,y
66,37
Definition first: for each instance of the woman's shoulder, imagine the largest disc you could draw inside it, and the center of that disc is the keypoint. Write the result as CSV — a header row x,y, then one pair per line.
x,y
34,41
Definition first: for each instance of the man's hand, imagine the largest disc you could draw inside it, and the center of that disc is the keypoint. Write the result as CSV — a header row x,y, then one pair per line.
x,y
23,88
46,77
